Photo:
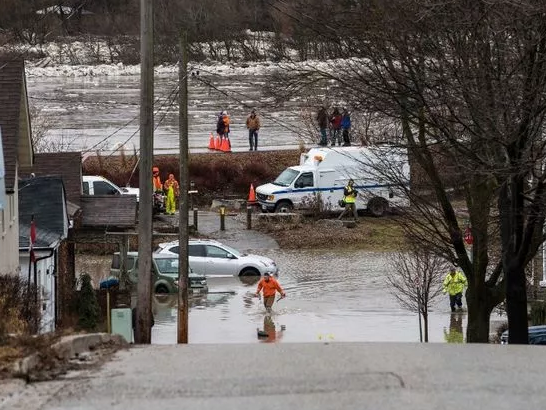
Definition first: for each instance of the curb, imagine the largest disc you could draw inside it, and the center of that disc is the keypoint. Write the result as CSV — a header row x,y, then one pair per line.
x,y
69,347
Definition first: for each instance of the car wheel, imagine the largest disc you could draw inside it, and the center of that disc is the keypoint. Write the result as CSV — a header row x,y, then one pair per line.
x,y
284,206
377,206
250,272
161,289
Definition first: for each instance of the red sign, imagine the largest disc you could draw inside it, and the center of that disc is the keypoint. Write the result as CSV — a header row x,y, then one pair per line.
x,y
468,238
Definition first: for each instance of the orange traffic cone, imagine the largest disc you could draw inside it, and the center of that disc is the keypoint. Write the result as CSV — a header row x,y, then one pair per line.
x,y
218,142
226,145
221,145
252,194
211,141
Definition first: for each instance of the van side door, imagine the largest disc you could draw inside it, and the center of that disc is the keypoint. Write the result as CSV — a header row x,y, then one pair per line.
x,y
303,188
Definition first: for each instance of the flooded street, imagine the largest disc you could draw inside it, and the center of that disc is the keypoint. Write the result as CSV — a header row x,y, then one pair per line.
x,y
328,299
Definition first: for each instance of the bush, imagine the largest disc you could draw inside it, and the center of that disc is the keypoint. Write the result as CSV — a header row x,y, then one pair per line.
x,y
19,312
213,174
87,305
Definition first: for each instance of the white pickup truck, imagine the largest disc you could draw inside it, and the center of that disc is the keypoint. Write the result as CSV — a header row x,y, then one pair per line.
x,y
97,185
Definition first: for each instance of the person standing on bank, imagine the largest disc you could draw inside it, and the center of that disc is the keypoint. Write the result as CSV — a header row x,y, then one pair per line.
x,y
345,127
253,125
270,287
349,197
454,285
322,119
335,127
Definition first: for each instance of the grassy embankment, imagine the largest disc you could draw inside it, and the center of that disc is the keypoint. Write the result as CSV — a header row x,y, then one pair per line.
x,y
218,175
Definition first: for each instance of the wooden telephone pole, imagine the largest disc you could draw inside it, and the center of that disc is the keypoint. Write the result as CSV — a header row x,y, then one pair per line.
x,y
143,331
183,279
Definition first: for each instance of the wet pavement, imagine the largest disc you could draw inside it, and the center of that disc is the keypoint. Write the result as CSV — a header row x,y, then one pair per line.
x,y
331,296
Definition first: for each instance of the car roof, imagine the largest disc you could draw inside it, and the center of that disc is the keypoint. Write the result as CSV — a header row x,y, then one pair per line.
x,y
192,242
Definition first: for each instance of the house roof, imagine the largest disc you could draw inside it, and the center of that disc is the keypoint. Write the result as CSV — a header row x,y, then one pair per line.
x,y
45,199
109,211
14,118
67,165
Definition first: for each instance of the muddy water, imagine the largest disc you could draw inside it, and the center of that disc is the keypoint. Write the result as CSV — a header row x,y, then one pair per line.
x,y
330,297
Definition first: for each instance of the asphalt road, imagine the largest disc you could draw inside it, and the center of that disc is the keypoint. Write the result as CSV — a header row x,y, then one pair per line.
x,y
302,376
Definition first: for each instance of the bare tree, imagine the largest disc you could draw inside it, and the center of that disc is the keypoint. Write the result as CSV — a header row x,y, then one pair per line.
x,y
467,83
416,281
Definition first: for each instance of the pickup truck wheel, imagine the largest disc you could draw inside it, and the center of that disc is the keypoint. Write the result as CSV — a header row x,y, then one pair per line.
x,y
377,206
284,206
161,289
249,272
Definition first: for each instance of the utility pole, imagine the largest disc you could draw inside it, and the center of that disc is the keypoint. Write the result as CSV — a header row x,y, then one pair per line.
x,y
184,187
143,331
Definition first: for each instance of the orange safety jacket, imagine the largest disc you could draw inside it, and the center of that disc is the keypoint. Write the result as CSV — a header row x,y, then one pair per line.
x,y
269,287
158,186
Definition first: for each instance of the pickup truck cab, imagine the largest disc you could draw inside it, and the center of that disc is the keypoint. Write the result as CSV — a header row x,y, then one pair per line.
x,y
97,185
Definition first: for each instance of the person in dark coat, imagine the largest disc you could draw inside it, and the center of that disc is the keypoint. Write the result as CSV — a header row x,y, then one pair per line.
x,y
346,127
322,120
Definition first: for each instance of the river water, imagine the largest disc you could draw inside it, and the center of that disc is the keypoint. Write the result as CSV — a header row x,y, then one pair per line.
x,y
345,298
90,113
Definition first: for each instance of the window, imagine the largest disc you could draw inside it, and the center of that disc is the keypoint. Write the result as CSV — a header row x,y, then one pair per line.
x,y
167,265
286,177
215,252
305,180
103,188
175,249
86,188
196,250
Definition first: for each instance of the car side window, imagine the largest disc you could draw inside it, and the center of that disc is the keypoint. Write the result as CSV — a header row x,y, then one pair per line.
x,y
175,249
86,188
104,188
165,266
304,180
216,252
196,250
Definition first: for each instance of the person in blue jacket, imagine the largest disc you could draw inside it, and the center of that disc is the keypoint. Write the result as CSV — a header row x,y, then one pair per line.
x,y
346,126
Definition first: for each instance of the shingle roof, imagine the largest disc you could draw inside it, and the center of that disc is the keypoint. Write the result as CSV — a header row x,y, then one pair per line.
x,y
109,210
43,198
12,86
67,165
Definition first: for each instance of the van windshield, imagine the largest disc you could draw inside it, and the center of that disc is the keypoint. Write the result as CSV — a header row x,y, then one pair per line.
x,y
286,177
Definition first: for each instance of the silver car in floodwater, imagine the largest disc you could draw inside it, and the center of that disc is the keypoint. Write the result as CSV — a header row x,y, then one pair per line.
x,y
212,258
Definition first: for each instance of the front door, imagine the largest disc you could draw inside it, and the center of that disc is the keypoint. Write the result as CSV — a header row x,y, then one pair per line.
x,y
219,263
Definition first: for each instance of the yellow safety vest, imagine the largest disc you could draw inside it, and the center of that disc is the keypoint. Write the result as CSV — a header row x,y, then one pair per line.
x,y
455,284
350,198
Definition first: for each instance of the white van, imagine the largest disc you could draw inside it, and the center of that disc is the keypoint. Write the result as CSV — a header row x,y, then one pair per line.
x,y
97,185
324,172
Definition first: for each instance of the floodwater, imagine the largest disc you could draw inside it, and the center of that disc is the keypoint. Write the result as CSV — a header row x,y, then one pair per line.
x,y
329,299
101,113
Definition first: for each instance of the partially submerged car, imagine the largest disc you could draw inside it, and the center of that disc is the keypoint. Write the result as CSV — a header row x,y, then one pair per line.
x,y
537,335
212,258
164,273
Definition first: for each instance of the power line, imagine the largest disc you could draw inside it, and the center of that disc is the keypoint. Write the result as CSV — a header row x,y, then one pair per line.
x,y
227,94
171,101
121,128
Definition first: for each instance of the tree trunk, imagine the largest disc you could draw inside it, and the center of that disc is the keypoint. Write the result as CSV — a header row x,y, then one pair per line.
x,y
479,313
425,324
516,305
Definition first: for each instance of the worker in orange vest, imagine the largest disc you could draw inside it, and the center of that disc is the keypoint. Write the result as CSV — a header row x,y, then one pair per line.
x,y
270,287
156,180
173,190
